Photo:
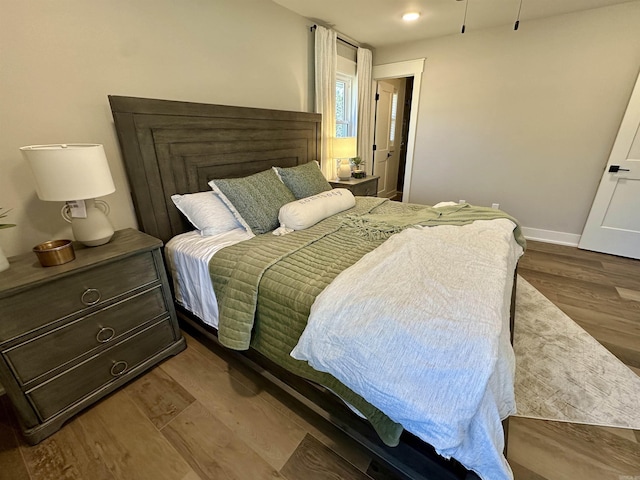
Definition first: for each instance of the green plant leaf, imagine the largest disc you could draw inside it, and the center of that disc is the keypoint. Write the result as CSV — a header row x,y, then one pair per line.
x,y
2,215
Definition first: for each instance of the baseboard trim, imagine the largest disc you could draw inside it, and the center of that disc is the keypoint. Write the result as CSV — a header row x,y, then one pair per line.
x,y
550,236
392,195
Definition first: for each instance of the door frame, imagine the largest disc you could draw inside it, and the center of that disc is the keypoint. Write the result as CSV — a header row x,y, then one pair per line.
x,y
409,68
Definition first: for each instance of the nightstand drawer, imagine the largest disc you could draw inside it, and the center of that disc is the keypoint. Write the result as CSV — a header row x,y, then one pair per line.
x,y
69,295
46,352
368,189
61,392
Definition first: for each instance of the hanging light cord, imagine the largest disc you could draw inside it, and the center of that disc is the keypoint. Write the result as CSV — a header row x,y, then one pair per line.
x,y
464,20
515,27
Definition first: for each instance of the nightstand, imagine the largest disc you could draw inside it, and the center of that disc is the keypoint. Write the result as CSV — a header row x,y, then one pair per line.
x,y
73,333
364,187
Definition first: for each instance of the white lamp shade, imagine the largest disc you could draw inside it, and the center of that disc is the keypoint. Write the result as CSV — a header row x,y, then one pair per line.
x,y
65,172
344,147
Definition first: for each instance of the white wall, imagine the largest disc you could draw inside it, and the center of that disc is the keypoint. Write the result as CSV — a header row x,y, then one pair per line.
x,y
526,119
60,59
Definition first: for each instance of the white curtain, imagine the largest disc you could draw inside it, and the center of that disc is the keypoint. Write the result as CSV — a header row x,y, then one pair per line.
x,y
365,100
326,58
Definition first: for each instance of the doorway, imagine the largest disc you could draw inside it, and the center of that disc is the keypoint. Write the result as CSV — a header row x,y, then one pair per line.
x,y
391,132
404,70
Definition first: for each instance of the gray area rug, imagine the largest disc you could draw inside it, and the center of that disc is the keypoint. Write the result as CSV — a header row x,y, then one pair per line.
x,y
563,373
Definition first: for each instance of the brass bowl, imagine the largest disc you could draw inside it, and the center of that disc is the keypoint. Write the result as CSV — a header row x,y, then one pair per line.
x,y
54,252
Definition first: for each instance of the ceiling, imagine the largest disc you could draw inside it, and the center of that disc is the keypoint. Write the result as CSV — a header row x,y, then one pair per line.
x,y
378,22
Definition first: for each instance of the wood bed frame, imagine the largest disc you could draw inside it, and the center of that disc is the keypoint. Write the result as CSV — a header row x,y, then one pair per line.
x,y
173,147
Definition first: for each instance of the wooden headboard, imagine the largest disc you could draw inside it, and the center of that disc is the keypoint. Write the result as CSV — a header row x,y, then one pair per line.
x,y
173,147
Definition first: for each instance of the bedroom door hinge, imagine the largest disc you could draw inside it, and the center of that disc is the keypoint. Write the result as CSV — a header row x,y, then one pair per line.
x,y
375,147
377,97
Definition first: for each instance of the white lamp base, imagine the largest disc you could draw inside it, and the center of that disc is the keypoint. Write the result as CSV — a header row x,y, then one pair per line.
x,y
95,229
344,170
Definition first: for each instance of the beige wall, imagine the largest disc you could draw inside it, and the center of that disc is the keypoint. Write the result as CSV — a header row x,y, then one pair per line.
x,y
60,59
525,119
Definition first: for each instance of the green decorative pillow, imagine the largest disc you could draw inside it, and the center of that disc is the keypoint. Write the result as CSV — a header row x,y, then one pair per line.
x,y
254,200
304,180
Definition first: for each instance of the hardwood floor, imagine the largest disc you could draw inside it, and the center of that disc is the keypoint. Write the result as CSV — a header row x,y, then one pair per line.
x,y
602,294
204,415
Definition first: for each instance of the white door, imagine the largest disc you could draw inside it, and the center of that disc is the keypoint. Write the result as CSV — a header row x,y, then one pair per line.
x,y
613,225
383,149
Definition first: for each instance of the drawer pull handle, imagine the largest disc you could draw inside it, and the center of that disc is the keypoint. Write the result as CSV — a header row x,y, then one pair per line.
x,y
90,297
105,334
119,368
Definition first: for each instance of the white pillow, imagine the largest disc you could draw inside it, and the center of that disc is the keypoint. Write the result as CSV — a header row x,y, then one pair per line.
x,y
306,212
207,212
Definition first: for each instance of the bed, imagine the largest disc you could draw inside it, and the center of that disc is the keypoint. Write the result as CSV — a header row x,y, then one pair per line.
x,y
174,148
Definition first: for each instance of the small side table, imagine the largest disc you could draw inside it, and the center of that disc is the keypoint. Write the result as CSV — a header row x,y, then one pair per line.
x,y
73,333
363,187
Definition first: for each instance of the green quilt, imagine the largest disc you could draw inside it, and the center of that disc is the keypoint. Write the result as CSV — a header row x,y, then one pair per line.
x,y
265,288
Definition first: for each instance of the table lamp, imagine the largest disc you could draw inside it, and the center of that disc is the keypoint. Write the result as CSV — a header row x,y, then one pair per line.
x,y
75,173
344,149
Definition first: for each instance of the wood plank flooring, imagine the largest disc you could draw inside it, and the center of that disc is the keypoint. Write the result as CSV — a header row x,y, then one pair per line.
x,y
204,415
602,294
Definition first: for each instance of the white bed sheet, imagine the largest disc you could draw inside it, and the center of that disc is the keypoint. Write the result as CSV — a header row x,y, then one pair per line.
x,y
188,256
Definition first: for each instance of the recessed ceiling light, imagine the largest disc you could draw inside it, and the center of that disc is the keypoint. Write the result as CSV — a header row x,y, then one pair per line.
x,y
410,16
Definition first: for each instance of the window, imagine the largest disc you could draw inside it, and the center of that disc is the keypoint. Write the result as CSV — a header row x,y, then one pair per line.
x,y
394,113
345,108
